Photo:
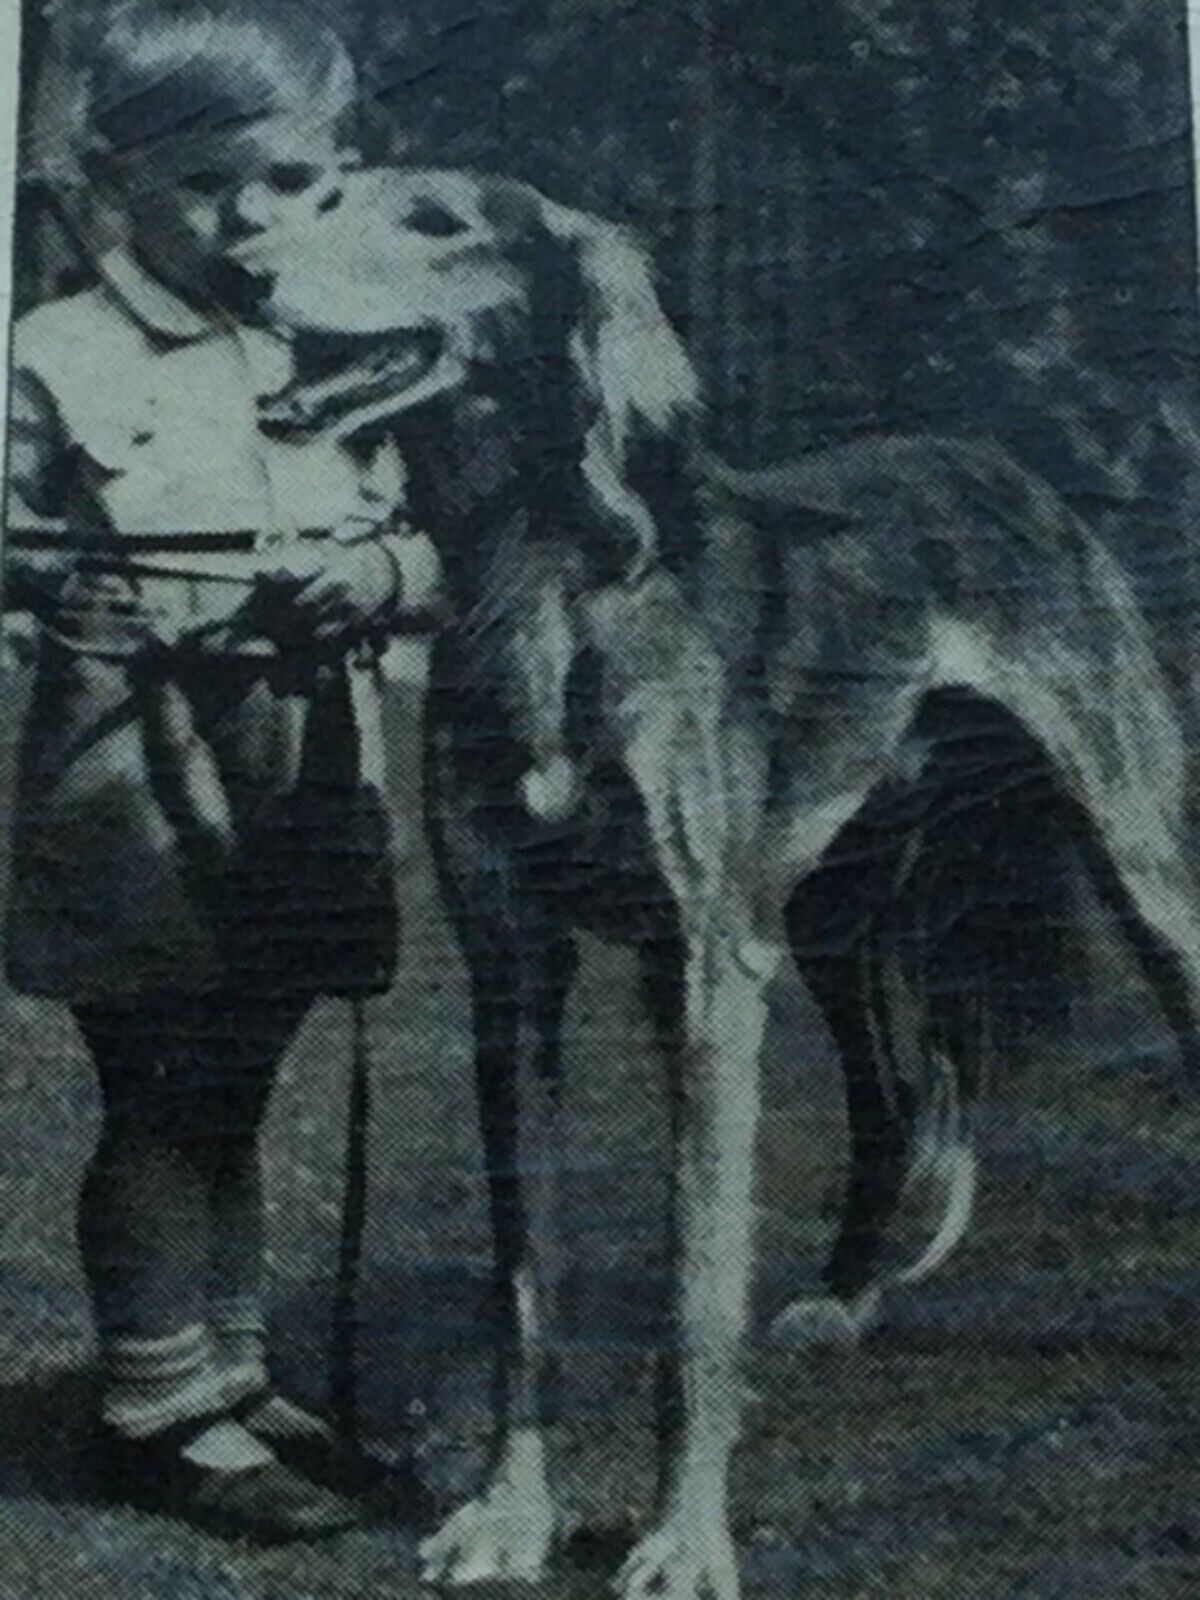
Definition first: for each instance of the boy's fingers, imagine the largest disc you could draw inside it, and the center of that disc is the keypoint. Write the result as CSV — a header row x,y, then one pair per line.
x,y
322,595
287,577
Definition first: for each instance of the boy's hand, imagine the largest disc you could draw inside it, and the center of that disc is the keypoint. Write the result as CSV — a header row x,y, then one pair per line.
x,y
331,589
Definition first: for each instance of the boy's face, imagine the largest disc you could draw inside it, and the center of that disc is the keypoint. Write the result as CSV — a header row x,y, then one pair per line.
x,y
189,199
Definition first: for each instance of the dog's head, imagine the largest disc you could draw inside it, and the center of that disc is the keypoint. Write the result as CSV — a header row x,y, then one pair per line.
x,y
406,285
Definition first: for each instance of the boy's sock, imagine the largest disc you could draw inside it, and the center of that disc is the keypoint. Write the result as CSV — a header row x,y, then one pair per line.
x,y
239,1340
152,1383
239,1335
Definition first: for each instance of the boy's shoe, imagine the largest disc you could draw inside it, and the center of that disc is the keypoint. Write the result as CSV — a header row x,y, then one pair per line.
x,y
310,1444
267,1503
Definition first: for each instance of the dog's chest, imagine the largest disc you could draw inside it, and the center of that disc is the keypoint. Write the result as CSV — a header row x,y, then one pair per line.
x,y
597,866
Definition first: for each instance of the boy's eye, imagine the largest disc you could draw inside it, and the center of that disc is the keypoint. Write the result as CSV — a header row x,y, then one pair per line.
x,y
291,177
205,183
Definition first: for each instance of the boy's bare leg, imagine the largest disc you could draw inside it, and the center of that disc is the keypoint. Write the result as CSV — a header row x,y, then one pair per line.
x,y
143,1224
247,1043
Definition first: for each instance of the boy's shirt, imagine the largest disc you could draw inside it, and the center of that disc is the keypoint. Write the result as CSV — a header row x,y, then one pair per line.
x,y
131,413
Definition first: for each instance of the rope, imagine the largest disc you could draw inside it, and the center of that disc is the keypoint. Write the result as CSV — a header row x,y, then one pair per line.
x,y
343,1384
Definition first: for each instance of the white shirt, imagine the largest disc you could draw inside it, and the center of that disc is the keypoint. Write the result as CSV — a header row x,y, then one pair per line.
x,y
132,413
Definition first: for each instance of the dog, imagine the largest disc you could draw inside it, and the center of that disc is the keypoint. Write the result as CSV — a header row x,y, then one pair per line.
x,y
869,706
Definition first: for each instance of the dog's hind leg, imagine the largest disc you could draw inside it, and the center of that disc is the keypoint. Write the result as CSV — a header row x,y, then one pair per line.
x,y
1138,865
1163,963
1118,754
829,922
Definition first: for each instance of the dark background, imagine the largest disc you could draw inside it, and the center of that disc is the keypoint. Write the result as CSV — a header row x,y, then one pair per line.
x,y
872,208
865,212
874,213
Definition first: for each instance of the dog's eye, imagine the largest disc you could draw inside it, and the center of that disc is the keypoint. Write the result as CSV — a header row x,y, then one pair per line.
x,y
433,220
291,177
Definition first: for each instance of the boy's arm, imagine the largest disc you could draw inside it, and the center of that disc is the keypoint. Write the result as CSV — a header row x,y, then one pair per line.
x,y
414,568
374,571
412,558
359,581
35,496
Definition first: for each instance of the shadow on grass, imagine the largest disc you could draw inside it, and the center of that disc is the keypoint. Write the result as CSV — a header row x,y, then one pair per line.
x,y
46,1441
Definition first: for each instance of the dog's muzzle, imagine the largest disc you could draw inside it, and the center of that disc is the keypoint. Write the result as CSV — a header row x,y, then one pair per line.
x,y
345,380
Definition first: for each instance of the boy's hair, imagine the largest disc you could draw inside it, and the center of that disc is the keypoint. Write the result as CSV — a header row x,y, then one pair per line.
x,y
146,69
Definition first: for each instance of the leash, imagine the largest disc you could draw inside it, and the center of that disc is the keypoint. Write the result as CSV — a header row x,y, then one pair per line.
x,y
230,559
343,1364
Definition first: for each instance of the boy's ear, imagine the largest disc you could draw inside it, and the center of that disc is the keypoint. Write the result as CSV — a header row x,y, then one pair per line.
x,y
89,202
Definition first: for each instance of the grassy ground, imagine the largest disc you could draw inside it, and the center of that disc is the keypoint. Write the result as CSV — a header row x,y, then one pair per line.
x,y
1024,1426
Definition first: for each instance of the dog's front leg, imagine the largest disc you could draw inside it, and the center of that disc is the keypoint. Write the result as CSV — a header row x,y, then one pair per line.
x,y
700,802
507,1531
690,1553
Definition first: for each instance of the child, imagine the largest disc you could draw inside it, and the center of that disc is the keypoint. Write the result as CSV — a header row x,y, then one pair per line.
x,y
199,843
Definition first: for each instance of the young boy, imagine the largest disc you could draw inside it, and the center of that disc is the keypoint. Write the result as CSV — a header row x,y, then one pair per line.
x,y
199,842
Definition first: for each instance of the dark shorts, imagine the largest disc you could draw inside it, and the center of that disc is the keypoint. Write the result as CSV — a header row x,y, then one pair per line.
x,y
310,903
106,900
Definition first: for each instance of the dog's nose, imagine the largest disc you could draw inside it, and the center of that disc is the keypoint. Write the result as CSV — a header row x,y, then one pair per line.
x,y
432,218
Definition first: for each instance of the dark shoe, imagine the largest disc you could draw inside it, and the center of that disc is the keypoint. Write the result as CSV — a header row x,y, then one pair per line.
x,y
268,1504
326,1456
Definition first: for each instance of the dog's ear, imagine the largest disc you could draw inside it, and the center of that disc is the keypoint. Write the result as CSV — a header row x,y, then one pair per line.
x,y
629,360
627,349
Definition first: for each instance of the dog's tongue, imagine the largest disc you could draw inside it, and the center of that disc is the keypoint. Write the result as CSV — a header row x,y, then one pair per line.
x,y
336,375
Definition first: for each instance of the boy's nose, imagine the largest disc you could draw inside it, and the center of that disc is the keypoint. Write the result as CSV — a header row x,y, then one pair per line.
x,y
252,210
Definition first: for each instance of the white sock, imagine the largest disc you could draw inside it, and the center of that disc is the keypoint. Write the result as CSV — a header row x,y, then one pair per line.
x,y
239,1339
152,1383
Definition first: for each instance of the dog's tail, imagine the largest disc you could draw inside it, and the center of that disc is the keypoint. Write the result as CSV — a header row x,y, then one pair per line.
x,y
961,960
969,963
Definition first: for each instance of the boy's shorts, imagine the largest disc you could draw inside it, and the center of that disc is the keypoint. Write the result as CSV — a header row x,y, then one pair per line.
x,y
105,901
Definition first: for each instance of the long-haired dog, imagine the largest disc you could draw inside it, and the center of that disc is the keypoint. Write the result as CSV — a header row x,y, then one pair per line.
x,y
866,704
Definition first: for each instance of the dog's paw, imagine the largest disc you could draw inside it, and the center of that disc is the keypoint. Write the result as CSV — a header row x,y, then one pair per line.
x,y
507,1533
497,1536
824,1323
687,1558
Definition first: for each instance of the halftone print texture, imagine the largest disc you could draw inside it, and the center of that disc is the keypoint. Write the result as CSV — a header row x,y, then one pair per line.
x,y
601,940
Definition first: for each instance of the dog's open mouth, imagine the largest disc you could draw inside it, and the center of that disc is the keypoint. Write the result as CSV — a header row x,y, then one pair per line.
x,y
347,379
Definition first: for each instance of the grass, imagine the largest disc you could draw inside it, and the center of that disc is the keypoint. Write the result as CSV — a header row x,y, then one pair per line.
x,y
1023,1428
